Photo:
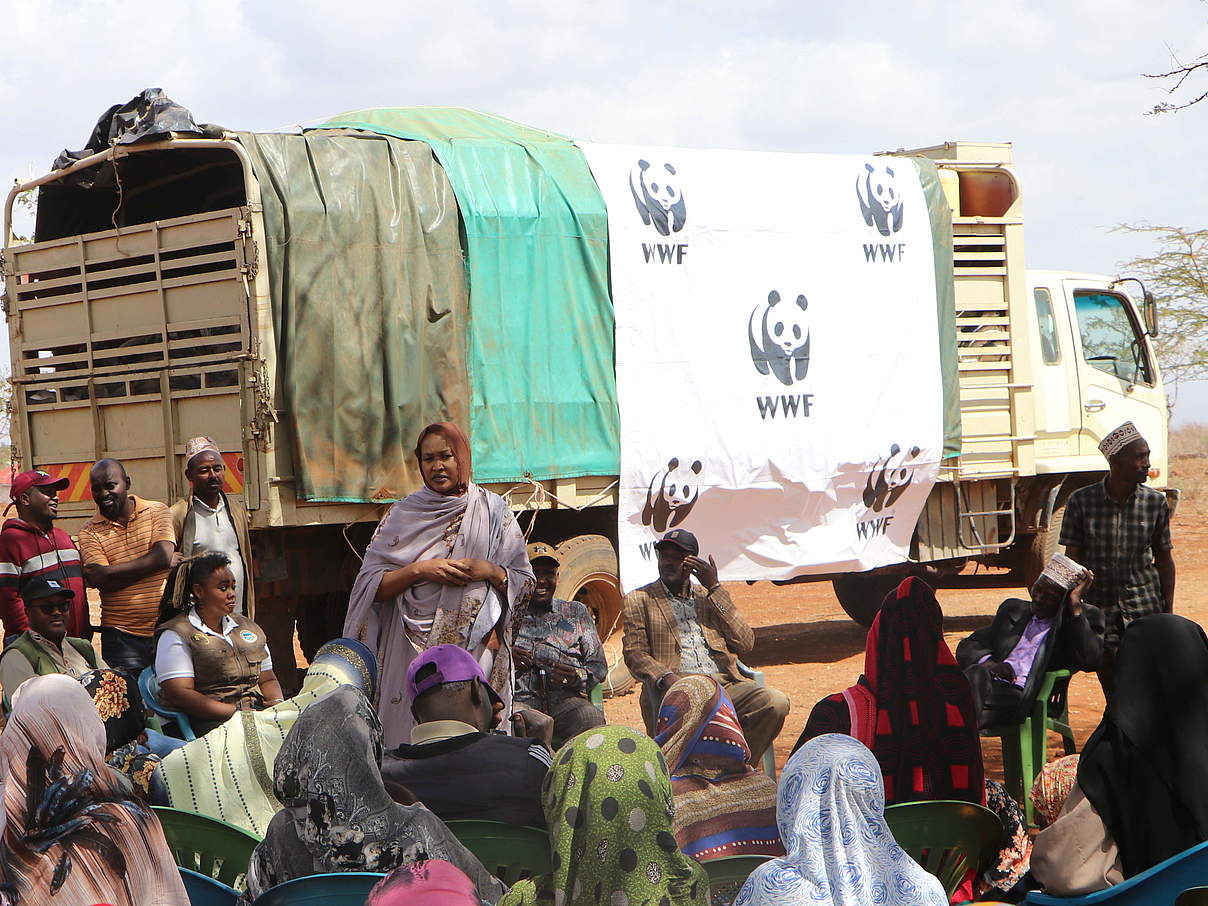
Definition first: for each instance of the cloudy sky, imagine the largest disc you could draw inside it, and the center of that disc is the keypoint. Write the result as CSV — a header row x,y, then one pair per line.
x,y
1061,79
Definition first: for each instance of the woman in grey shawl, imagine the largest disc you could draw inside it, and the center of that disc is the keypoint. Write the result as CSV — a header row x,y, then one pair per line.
x,y
338,815
447,566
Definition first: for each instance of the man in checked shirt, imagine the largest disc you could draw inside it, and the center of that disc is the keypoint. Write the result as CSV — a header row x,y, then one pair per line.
x,y
1120,530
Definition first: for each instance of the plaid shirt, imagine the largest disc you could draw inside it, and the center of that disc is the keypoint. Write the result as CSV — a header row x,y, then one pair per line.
x,y
1117,542
565,633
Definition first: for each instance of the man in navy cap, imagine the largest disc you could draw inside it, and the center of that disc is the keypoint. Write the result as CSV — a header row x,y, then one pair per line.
x,y
674,629
46,647
455,765
31,546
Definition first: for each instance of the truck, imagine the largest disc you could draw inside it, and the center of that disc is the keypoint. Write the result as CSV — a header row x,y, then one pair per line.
x,y
143,313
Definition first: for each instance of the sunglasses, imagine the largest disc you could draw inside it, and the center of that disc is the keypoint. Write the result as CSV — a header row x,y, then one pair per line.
x,y
54,607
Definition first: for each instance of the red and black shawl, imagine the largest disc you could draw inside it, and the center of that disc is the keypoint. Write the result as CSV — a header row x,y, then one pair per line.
x,y
913,706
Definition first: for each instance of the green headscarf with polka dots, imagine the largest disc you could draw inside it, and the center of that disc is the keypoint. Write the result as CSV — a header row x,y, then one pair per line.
x,y
608,806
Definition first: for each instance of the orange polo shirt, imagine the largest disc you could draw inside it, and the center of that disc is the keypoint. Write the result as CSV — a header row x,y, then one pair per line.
x,y
132,609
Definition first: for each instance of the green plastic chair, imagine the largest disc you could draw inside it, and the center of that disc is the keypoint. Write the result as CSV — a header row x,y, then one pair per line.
x,y
732,869
1193,896
946,837
508,851
596,696
1025,747
208,846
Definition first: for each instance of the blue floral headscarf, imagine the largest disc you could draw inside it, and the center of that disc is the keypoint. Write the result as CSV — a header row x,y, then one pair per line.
x,y
830,809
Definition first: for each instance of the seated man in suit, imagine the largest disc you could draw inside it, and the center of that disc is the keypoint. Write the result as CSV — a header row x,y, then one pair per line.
x,y
675,629
1006,661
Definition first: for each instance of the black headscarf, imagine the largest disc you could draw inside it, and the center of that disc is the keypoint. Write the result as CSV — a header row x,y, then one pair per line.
x,y
1145,768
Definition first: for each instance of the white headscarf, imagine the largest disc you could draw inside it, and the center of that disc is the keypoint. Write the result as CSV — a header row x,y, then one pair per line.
x,y
831,812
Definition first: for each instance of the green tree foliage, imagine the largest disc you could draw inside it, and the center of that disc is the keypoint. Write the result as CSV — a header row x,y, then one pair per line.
x,y
1177,275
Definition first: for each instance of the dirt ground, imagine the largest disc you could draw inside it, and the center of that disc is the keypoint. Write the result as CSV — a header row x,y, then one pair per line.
x,y
808,648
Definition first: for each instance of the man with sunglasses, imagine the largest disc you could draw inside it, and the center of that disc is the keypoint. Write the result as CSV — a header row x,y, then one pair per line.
x,y
45,647
31,546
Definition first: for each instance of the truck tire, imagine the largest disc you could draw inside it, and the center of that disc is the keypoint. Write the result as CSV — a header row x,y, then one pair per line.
x,y
589,574
860,594
1035,550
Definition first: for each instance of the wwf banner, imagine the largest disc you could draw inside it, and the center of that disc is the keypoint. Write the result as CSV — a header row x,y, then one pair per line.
x,y
777,356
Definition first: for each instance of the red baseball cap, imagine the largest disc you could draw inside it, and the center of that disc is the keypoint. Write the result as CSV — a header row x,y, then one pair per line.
x,y
34,478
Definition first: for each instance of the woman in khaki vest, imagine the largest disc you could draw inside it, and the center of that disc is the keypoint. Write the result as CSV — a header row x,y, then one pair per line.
x,y
211,661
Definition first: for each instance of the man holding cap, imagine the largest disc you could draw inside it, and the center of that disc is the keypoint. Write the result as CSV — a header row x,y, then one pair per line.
x,y
1120,530
557,653
30,546
455,765
1006,661
673,629
46,647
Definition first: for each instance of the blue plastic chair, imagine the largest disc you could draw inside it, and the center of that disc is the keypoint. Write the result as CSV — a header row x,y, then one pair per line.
x,y
1159,886
149,687
205,891
342,888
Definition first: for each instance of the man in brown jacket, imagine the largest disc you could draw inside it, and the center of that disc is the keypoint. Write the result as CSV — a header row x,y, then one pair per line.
x,y
673,629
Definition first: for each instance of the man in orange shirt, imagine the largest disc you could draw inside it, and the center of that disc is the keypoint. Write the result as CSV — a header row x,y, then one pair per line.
x,y
128,549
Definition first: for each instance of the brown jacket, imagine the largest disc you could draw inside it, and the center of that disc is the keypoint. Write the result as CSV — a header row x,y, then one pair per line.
x,y
652,644
239,517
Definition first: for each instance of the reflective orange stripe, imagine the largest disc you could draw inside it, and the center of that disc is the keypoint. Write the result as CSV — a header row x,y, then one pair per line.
x,y
232,478
76,473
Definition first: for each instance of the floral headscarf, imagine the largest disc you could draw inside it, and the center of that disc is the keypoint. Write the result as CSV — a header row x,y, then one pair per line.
x,y
608,805
831,812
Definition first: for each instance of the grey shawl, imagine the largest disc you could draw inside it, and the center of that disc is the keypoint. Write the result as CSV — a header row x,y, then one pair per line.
x,y
337,815
423,526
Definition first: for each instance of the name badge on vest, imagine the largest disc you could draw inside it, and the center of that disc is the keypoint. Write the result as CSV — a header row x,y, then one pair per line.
x,y
247,635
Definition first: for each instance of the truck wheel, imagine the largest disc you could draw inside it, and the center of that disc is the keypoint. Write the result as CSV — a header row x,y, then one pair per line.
x,y
1035,550
860,594
589,574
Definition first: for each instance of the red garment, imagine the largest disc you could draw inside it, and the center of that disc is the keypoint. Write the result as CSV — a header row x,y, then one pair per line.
x,y
912,706
926,737
24,553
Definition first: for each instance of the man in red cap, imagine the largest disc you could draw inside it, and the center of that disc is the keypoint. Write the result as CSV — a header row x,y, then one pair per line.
x,y
31,546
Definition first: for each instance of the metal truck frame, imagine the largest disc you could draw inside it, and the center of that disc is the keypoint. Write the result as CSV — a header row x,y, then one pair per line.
x,y
128,341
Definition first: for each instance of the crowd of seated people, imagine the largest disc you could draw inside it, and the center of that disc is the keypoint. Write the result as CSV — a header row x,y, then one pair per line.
x,y
630,817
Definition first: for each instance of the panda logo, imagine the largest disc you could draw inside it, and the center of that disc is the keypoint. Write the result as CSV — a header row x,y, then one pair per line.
x,y
883,488
657,194
780,338
672,494
880,203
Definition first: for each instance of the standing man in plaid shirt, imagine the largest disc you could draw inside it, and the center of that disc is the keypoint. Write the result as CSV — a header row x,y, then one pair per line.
x,y
1120,530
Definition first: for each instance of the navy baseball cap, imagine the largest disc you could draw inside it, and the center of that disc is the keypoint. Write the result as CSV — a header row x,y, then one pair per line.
x,y
40,587
681,538
442,664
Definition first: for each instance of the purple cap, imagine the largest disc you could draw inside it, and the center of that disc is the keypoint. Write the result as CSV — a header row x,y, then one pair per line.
x,y
450,664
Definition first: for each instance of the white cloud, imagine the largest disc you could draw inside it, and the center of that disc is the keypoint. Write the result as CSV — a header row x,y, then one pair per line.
x,y
1062,80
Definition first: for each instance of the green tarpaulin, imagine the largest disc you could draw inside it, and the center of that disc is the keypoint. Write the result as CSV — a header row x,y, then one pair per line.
x,y
540,339
369,304
945,300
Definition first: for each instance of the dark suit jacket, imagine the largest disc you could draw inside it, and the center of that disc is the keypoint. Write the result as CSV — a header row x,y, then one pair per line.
x,y
1072,644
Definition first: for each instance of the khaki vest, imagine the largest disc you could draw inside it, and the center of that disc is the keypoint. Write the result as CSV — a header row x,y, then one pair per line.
x,y
226,673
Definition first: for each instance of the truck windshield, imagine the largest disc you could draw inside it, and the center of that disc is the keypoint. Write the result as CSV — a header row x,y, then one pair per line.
x,y
1110,340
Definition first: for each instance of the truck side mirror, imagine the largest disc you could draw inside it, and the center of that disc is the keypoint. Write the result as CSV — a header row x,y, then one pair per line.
x,y
1151,315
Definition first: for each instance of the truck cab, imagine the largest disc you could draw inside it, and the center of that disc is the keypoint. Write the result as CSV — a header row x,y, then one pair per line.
x,y
1095,368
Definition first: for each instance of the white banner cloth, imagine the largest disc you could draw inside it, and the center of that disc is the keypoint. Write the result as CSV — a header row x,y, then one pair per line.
x,y
778,367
